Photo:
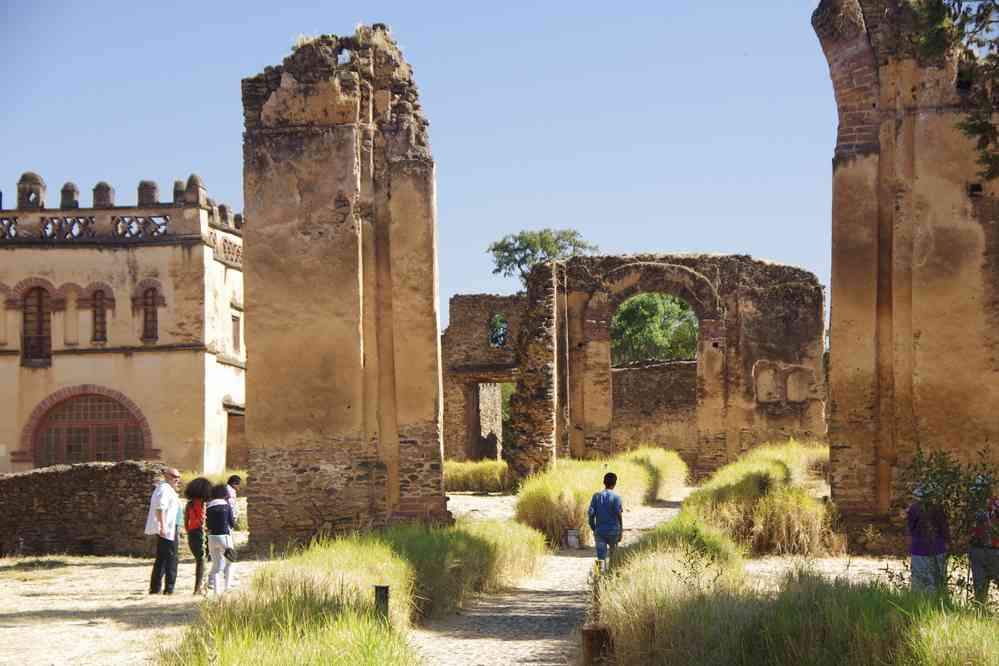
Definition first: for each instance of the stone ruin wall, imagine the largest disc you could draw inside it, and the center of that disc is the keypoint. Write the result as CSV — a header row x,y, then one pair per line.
x,y
86,509
345,394
915,261
473,371
759,374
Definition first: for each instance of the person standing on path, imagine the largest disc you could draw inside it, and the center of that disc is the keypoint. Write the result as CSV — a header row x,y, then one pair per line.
x,y
930,534
984,551
197,492
230,494
219,521
163,519
606,519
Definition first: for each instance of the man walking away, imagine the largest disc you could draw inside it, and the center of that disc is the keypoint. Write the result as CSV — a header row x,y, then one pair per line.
x,y
605,517
163,520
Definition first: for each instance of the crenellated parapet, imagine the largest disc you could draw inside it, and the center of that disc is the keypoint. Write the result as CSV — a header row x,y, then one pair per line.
x,y
190,215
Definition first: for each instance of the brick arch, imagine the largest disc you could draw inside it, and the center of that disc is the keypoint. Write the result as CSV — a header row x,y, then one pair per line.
x,y
141,288
56,300
683,282
87,294
26,451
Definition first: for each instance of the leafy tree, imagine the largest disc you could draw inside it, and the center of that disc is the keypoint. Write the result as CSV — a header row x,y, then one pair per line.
x,y
517,254
968,28
653,326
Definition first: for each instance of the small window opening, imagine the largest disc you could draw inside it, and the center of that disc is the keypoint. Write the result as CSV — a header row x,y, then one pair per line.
x,y
965,80
976,190
100,318
150,323
499,330
235,334
343,57
37,326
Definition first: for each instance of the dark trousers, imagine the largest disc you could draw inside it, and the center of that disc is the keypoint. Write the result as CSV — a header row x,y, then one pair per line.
x,y
165,565
196,540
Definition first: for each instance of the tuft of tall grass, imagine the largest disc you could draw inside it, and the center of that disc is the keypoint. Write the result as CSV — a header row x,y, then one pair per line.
x,y
761,501
681,534
316,606
482,476
663,607
558,499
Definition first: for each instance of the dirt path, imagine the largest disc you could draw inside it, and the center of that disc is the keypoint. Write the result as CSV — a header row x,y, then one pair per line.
x,y
535,622
91,610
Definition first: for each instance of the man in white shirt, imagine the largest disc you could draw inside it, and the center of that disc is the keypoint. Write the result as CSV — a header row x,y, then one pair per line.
x,y
163,521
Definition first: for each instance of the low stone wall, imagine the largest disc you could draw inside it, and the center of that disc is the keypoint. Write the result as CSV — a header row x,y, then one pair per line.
x,y
86,509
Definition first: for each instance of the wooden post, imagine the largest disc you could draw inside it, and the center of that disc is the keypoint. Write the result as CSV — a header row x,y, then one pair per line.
x,y
597,646
382,600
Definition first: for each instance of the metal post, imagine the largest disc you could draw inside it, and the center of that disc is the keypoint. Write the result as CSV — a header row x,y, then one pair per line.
x,y
382,600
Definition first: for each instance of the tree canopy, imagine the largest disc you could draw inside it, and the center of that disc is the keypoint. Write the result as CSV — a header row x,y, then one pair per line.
x,y
967,28
516,254
653,327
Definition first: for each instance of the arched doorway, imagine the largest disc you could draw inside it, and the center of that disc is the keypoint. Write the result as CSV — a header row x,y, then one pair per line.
x,y
89,427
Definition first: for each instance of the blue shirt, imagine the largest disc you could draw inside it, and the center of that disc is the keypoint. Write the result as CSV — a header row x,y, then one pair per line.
x,y
605,512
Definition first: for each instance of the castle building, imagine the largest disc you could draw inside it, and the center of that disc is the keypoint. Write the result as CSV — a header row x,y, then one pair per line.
x,y
121,329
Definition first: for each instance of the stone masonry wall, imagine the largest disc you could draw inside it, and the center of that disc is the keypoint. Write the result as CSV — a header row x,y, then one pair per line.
x,y
341,291
474,367
912,336
656,404
86,509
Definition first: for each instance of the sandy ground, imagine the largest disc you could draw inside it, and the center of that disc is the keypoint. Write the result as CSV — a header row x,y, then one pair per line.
x,y
92,610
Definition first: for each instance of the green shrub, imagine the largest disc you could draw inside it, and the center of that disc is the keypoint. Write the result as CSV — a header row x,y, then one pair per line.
x,y
558,499
482,476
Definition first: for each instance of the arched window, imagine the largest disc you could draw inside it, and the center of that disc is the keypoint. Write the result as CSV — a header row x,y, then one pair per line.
x,y
100,317
88,428
150,323
36,335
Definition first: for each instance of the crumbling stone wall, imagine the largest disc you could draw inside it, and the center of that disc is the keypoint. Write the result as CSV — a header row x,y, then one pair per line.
x,y
758,374
655,404
86,509
914,245
344,418
475,365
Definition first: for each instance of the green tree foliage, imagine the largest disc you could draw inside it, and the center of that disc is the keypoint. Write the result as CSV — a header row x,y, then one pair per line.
x,y
517,254
653,327
968,29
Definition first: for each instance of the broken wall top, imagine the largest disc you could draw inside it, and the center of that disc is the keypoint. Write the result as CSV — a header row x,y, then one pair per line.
x,y
329,80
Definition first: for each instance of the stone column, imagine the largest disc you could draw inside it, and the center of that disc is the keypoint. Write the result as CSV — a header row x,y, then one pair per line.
x,y
531,446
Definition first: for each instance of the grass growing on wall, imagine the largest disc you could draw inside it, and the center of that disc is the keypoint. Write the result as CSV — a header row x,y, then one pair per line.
x,y
317,605
482,476
762,501
558,499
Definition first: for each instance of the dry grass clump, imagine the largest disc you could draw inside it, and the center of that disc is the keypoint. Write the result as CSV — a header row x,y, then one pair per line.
x,y
317,605
679,605
481,476
557,500
762,502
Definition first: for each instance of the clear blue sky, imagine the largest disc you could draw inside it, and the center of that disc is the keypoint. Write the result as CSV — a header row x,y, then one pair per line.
x,y
678,126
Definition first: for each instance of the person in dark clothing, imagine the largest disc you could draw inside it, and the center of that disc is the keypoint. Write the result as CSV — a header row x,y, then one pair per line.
x,y
197,492
930,534
220,521
605,519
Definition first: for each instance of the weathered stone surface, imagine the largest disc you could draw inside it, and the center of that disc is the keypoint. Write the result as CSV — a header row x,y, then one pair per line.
x,y
86,509
914,310
342,287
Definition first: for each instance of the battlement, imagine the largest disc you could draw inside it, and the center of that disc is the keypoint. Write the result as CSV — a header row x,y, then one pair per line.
x,y
191,213
361,79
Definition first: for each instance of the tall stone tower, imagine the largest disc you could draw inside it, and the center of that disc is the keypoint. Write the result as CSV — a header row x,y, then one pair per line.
x,y
915,261
344,400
